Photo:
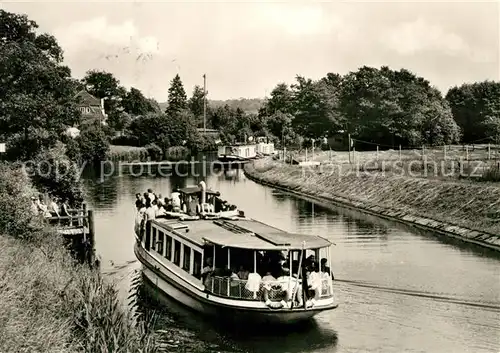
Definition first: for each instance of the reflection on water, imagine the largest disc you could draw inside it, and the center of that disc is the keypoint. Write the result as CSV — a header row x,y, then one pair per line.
x,y
399,289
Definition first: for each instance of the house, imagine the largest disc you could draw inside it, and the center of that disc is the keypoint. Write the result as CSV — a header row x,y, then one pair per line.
x,y
92,108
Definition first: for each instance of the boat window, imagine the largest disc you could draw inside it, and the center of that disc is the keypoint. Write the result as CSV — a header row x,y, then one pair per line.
x,y
187,258
161,237
168,248
153,239
177,253
197,264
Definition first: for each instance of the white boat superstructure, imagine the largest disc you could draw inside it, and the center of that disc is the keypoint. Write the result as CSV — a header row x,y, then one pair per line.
x,y
238,267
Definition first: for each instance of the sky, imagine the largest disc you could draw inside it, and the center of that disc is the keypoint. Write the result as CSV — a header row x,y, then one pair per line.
x,y
246,48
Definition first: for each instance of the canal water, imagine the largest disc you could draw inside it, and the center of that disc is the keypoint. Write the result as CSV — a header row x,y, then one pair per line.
x,y
399,290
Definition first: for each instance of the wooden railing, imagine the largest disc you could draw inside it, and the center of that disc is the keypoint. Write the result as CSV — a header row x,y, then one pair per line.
x,y
79,219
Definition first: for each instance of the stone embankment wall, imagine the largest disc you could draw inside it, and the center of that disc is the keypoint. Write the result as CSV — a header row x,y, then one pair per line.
x,y
462,210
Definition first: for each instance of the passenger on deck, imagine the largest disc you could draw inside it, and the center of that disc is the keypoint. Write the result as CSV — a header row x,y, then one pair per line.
x,y
176,200
206,274
138,200
268,281
325,270
161,201
139,218
290,285
150,212
315,282
242,273
152,196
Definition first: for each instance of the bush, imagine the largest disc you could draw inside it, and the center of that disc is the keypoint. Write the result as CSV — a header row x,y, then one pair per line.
x,y
154,151
93,145
54,173
125,140
49,303
16,217
177,153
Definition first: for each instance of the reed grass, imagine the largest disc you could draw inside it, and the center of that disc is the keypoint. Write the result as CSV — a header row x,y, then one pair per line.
x,y
127,153
48,302
463,203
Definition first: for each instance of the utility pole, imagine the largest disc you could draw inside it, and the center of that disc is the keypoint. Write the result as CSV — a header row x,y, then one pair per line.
x,y
349,141
204,103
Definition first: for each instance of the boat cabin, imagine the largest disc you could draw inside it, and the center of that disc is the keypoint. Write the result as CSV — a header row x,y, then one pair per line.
x,y
242,259
238,151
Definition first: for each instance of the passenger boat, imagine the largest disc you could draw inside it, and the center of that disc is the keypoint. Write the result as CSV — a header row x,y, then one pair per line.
x,y
237,153
195,261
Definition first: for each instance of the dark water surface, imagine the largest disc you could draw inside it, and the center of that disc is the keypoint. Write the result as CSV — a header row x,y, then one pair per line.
x,y
399,290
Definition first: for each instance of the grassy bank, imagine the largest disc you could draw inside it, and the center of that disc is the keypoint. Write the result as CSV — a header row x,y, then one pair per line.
x,y
49,303
481,163
462,203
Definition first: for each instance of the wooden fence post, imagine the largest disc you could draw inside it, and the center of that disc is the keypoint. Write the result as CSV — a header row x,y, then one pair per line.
x,y
377,152
400,152
489,152
444,152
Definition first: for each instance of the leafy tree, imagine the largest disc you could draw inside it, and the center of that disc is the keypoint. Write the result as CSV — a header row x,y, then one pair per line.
x,y
177,99
315,108
101,84
36,92
281,100
280,125
165,130
395,107
135,103
93,144
104,85
475,106
196,104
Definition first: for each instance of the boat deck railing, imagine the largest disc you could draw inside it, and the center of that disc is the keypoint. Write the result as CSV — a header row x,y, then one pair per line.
x,y
276,290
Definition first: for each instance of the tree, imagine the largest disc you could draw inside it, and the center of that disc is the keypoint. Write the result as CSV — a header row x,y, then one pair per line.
x,y
281,100
196,104
177,99
474,107
101,84
135,103
93,144
280,125
389,107
36,92
315,108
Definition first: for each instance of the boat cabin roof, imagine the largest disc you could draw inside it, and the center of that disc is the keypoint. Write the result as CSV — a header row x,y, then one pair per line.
x,y
190,190
243,234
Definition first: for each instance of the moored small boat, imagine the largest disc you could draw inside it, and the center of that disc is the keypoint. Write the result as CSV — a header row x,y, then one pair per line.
x,y
227,264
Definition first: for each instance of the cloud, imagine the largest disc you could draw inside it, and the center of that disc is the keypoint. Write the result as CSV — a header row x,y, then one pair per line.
x,y
295,19
411,38
99,30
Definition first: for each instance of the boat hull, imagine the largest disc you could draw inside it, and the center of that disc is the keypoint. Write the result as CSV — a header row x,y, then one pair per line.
x,y
176,291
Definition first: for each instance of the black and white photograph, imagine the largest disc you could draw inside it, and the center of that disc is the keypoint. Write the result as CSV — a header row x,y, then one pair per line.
x,y
249,176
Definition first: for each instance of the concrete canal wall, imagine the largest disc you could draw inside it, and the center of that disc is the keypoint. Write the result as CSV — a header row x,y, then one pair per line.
x,y
464,211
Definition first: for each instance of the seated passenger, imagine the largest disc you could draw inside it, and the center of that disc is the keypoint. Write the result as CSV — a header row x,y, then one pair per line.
x,y
242,273
268,281
325,270
315,282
